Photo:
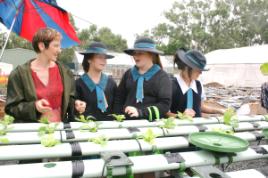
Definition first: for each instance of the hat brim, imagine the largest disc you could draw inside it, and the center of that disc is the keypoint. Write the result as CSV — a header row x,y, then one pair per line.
x,y
107,56
132,50
182,56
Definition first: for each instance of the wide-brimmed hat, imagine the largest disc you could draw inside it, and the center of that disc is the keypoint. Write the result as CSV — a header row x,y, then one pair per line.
x,y
144,44
193,59
97,48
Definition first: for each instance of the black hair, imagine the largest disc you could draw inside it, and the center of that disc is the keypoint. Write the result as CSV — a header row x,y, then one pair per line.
x,y
85,63
181,65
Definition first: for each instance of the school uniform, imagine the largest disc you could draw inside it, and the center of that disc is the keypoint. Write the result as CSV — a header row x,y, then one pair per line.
x,y
149,93
180,95
98,97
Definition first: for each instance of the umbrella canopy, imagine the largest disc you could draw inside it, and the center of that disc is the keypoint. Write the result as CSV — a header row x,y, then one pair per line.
x,y
31,15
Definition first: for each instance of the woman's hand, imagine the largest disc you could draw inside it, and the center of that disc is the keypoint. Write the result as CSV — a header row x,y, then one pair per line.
x,y
132,111
189,112
42,106
80,106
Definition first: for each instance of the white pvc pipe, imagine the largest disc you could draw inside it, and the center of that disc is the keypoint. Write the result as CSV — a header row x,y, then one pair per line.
x,y
123,133
21,152
25,137
142,164
136,123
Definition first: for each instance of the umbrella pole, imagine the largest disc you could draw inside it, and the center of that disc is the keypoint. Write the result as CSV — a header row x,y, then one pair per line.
x,y
10,30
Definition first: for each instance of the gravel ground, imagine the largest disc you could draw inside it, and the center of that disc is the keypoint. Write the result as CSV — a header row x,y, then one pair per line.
x,y
253,164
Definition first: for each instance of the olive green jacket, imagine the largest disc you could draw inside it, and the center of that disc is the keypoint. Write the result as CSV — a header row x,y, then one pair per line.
x,y
21,94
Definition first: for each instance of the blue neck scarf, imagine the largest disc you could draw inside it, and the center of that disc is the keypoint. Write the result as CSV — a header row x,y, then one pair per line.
x,y
146,76
100,87
190,99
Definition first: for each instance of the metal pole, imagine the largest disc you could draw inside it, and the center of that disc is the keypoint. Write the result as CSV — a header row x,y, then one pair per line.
x,y
10,30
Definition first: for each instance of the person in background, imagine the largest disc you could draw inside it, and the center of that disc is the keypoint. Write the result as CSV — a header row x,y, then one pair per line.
x,y
42,87
145,89
188,93
94,87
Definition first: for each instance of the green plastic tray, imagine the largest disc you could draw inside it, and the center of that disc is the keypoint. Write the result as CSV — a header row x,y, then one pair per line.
x,y
218,142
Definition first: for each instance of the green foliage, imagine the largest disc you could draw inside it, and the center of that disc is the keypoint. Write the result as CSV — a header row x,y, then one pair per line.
x,y
101,140
148,136
169,123
91,126
113,41
4,124
264,69
7,120
119,117
48,140
44,120
210,25
230,118
84,119
46,131
4,140
184,116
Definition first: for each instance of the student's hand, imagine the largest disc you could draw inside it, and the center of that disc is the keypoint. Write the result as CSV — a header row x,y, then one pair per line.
x,y
171,115
189,112
80,106
42,106
132,111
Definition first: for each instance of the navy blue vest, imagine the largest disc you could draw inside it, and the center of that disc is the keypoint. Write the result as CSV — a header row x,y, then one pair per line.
x,y
179,100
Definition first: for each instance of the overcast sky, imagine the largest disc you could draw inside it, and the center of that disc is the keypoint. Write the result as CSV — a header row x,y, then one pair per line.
x,y
124,17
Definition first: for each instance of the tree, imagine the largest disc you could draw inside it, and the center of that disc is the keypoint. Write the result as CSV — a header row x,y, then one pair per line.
x,y
212,24
113,41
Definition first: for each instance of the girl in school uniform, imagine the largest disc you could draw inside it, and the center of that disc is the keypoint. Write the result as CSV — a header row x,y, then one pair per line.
x,y
145,89
187,91
94,87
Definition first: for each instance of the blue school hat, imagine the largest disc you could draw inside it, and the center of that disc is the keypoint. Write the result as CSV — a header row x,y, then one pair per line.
x,y
97,48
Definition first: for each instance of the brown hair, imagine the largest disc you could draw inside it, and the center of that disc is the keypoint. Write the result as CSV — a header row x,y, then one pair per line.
x,y
156,60
44,35
85,63
182,66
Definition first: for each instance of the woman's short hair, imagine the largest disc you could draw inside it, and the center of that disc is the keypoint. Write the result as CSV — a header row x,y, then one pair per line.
x,y
44,35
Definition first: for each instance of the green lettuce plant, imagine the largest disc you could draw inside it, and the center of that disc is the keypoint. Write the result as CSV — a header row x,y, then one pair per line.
x,y
101,140
4,127
119,117
230,118
148,136
168,123
89,123
49,140
184,116
46,132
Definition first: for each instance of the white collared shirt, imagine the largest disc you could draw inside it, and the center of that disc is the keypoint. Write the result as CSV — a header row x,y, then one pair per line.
x,y
185,87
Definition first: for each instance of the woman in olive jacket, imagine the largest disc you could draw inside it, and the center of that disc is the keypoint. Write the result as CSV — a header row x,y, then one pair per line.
x,y
42,86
